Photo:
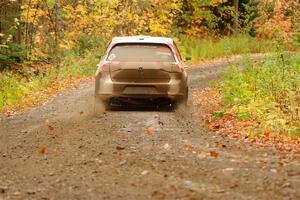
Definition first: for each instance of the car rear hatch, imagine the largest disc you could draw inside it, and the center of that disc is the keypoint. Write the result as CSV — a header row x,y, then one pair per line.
x,y
140,72
141,63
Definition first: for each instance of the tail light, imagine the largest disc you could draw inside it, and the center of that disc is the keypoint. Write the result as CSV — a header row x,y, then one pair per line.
x,y
103,66
177,68
115,66
172,67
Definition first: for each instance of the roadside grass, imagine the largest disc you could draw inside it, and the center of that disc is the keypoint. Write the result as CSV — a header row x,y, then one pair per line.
x,y
211,48
266,91
77,66
19,90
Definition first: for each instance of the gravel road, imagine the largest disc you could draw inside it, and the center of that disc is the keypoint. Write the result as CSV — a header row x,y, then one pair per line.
x,y
61,150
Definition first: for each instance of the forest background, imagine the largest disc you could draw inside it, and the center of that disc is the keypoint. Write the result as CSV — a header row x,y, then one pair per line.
x,y
45,30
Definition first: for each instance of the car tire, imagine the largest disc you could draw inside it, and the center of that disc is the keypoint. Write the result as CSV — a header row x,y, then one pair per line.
x,y
183,103
185,99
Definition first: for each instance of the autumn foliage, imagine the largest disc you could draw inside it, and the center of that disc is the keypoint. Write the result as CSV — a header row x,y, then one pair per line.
x,y
278,18
229,124
40,30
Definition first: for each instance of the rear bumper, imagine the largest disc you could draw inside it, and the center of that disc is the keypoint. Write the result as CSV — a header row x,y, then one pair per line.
x,y
175,89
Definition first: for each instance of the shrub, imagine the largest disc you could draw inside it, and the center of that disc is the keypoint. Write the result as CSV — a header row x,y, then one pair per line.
x,y
267,90
10,54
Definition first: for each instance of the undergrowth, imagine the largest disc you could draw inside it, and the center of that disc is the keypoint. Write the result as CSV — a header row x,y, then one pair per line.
x,y
15,86
210,48
267,91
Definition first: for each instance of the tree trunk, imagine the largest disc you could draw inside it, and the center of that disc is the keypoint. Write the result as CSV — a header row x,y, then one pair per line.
x,y
140,7
58,31
58,20
18,36
236,16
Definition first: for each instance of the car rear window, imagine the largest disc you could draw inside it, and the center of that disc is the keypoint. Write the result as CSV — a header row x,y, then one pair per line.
x,y
141,53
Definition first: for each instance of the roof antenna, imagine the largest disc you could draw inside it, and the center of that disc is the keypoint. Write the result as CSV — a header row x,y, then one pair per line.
x,y
142,37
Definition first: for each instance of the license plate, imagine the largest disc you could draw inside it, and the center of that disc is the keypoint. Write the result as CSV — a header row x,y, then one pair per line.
x,y
139,90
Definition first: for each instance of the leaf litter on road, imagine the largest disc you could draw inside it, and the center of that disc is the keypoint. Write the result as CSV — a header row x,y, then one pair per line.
x,y
214,154
167,146
219,145
41,150
46,94
203,155
150,131
49,125
228,169
145,172
189,148
120,148
231,126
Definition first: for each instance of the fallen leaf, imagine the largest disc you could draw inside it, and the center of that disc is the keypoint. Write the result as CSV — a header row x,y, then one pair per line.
x,y
219,145
158,195
49,125
81,113
3,189
167,146
150,131
207,145
203,155
16,193
123,162
41,150
220,191
214,154
253,140
189,148
229,169
120,148
145,172
216,127
160,123
273,170
98,161
30,192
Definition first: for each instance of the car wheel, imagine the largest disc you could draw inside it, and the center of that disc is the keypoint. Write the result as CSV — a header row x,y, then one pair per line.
x,y
185,99
183,103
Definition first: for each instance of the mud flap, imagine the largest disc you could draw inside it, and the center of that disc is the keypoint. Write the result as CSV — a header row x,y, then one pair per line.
x,y
100,106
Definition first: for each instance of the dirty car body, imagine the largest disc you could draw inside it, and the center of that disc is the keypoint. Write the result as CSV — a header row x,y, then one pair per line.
x,y
141,70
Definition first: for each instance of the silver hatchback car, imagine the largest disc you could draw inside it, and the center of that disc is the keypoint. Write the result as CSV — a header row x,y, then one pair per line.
x,y
141,70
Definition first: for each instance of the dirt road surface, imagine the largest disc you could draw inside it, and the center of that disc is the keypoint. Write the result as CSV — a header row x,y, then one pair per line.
x,y
62,151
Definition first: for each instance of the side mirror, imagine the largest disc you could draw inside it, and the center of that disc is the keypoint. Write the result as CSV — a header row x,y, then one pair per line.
x,y
188,58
